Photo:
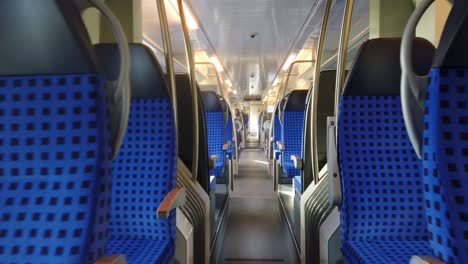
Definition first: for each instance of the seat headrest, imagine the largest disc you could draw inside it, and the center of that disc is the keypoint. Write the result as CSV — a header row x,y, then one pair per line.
x,y
376,69
146,76
211,102
296,101
46,37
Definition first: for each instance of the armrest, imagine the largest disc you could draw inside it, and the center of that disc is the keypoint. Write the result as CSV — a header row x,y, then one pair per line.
x,y
226,145
297,160
112,259
334,178
173,199
212,161
281,146
425,260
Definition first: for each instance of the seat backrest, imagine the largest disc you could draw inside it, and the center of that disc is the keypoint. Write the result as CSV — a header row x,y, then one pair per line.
x,y
229,129
325,108
445,146
276,126
214,125
277,123
185,127
54,142
380,172
293,125
144,171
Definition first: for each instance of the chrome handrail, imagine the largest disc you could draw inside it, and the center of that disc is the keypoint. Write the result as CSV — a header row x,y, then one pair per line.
x,y
193,85
315,91
169,60
287,81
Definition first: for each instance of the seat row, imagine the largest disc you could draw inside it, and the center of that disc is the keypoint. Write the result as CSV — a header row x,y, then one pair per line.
x,y
68,192
394,207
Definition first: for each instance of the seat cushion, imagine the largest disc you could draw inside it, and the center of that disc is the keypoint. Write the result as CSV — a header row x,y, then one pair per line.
x,y
215,132
380,251
289,170
298,184
142,251
277,154
218,170
292,138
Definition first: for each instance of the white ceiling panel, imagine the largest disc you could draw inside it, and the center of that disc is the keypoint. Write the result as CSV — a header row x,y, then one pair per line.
x,y
252,62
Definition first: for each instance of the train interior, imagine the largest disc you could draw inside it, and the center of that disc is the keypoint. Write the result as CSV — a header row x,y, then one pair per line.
x,y
237,132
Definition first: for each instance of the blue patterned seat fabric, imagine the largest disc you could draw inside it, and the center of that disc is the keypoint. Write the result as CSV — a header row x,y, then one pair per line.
x,y
215,130
381,179
144,171
291,137
445,142
382,212
54,138
143,250
276,136
445,152
52,146
143,174
230,135
215,133
384,251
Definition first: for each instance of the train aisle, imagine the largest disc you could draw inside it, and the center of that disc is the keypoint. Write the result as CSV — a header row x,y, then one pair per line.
x,y
256,231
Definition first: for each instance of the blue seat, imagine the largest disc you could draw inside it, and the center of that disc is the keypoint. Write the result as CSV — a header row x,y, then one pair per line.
x,y
144,171
54,138
230,136
277,129
445,143
276,136
382,215
293,131
228,129
215,131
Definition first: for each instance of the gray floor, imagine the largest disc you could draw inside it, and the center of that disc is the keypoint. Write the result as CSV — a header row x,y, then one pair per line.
x,y
256,231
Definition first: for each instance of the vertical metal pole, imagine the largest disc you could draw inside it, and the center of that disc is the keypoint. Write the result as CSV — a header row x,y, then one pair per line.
x,y
169,59
315,90
343,48
193,84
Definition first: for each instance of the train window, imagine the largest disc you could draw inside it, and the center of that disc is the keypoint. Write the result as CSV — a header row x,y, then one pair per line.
x,y
332,36
359,31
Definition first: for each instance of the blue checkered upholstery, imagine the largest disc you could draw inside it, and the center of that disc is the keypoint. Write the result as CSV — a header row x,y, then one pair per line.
x,y
383,202
276,128
445,153
230,136
144,250
54,149
215,134
276,136
143,174
291,137
384,251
